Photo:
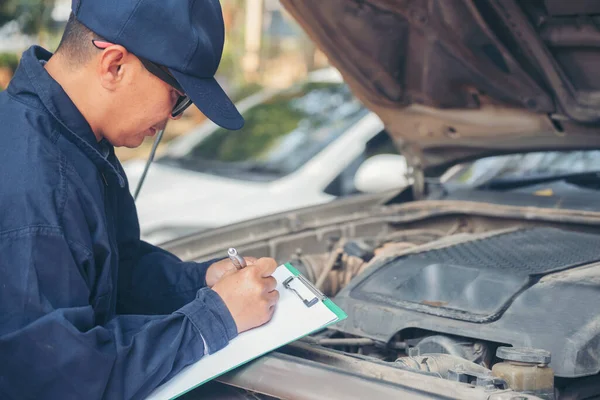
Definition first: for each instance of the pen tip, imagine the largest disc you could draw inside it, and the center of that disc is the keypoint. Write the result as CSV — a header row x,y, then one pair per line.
x,y
232,251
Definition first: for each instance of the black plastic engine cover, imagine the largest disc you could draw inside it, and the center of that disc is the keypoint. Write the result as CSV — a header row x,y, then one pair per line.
x,y
506,288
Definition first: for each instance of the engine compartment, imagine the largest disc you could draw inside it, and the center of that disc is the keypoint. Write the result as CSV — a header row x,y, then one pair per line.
x,y
541,295
427,299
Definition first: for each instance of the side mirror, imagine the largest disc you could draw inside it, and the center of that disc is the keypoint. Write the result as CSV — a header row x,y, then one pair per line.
x,y
381,173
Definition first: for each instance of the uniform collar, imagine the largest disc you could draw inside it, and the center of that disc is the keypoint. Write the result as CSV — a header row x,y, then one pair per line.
x,y
31,76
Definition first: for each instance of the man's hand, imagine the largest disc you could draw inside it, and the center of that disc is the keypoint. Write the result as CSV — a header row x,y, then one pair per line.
x,y
216,271
250,293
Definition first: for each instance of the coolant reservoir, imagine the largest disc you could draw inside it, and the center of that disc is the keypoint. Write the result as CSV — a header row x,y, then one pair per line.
x,y
526,370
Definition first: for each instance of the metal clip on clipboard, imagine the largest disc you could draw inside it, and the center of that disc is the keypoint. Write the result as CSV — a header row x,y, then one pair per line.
x,y
308,302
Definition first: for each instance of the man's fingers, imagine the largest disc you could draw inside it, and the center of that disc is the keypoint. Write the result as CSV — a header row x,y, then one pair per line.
x,y
270,284
250,260
267,266
229,272
273,297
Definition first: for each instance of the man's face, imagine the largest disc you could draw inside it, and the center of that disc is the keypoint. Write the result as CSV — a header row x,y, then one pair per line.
x,y
139,107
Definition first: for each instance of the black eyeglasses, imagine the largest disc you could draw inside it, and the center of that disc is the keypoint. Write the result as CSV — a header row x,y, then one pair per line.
x,y
183,102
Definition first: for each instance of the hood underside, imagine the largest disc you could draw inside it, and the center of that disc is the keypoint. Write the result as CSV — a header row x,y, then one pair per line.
x,y
461,79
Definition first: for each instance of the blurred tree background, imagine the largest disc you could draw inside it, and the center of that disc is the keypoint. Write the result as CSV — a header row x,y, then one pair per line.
x,y
264,47
34,17
31,18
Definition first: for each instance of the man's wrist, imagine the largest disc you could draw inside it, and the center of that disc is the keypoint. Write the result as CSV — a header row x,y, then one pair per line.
x,y
204,267
209,279
212,319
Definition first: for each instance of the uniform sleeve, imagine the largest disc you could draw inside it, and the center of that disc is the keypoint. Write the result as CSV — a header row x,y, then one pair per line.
x,y
154,281
52,345
151,280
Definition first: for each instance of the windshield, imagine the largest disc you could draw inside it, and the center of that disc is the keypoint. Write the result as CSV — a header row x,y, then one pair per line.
x,y
525,166
280,134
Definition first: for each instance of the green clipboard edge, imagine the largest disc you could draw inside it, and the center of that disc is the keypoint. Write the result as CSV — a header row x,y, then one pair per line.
x,y
327,301
339,313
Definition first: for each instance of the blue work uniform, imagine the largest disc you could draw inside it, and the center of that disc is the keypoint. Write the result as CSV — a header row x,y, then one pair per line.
x,y
87,309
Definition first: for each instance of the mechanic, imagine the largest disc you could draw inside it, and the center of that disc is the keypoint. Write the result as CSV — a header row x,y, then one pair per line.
x,y
87,309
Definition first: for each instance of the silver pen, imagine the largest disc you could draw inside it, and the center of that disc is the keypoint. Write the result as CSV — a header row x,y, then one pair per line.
x,y
236,259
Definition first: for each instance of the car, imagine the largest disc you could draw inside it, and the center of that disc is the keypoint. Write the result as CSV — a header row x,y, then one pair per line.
x,y
479,280
301,146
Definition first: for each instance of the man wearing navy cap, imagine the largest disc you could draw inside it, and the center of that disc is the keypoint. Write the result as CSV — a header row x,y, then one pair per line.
x,y
87,310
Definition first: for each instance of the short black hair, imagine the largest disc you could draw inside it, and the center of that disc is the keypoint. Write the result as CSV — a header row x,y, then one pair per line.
x,y
76,43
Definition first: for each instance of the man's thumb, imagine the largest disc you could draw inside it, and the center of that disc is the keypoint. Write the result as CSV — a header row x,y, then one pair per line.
x,y
250,260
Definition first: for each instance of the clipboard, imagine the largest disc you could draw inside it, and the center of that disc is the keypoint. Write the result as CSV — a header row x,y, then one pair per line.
x,y
302,310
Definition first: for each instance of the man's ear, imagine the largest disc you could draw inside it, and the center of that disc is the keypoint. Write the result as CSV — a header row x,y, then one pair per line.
x,y
110,66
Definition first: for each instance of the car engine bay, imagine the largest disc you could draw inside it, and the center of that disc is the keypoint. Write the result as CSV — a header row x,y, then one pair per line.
x,y
487,284
498,297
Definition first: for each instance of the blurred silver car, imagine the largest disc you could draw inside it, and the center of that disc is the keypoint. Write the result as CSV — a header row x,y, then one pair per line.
x,y
302,146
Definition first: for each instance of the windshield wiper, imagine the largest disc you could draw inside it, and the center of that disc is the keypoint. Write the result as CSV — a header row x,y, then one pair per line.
x,y
586,178
263,169
220,167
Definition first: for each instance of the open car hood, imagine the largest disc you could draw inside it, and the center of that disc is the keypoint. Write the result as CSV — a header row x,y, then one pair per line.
x,y
461,79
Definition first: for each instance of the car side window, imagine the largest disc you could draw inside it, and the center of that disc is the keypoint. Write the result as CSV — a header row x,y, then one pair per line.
x,y
343,184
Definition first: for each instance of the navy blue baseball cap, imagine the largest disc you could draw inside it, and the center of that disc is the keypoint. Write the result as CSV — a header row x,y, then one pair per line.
x,y
186,36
